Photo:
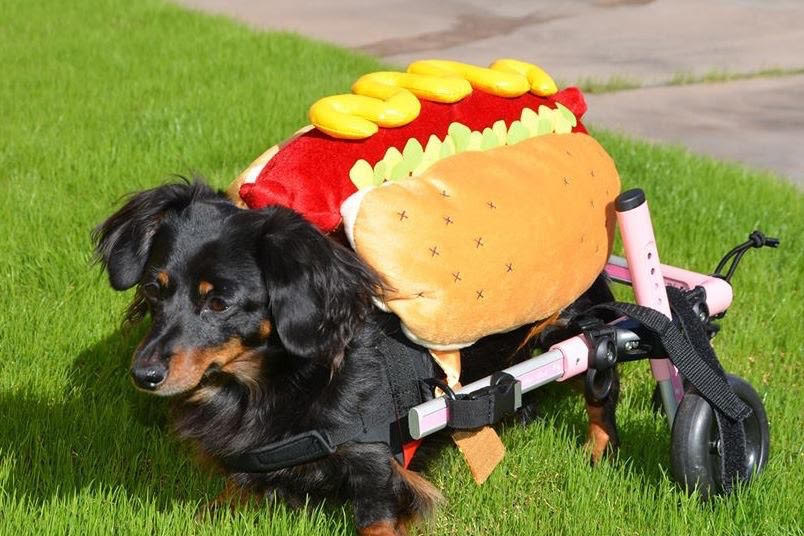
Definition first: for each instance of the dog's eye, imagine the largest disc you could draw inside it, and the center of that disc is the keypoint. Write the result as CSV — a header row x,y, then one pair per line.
x,y
217,305
151,291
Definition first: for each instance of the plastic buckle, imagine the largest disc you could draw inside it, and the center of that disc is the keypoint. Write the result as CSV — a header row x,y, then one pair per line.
x,y
696,297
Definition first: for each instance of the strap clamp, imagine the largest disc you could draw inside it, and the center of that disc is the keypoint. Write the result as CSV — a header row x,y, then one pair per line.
x,y
486,405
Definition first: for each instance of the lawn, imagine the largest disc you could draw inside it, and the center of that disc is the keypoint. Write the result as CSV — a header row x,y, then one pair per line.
x,y
99,98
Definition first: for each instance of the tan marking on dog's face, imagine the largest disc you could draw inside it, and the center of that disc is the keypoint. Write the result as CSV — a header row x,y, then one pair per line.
x,y
187,367
204,288
163,278
265,329
246,368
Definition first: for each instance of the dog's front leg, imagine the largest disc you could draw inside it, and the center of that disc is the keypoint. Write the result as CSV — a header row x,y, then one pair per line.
x,y
383,528
374,500
376,514
388,498
232,497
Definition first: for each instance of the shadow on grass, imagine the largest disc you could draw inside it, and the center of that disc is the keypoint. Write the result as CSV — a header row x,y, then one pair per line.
x,y
644,438
104,434
644,450
100,434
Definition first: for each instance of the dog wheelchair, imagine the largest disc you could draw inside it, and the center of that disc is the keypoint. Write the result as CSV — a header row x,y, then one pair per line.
x,y
719,428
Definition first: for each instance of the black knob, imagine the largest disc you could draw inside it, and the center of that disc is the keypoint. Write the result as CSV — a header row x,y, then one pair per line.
x,y
605,354
598,384
629,200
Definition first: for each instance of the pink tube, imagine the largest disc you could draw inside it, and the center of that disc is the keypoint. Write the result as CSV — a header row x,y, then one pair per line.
x,y
575,356
643,258
719,293
639,242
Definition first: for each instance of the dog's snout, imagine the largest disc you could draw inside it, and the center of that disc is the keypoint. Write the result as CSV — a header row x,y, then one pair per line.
x,y
149,376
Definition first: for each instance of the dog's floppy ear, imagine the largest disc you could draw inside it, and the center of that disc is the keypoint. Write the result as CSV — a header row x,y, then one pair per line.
x,y
319,291
123,241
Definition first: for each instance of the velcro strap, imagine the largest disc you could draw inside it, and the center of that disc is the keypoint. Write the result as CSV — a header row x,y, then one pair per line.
x,y
732,432
484,406
688,348
705,377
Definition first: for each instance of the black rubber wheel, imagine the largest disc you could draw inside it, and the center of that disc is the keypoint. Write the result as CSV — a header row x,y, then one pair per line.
x,y
694,453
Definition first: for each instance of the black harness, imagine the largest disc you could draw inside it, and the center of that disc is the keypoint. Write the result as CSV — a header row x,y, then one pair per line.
x,y
407,368
408,380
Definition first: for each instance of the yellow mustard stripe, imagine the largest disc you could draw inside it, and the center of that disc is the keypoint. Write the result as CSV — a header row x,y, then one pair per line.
x,y
540,82
357,116
504,84
438,89
389,99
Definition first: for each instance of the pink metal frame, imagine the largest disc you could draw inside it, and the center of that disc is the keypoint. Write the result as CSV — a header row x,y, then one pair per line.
x,y
642,270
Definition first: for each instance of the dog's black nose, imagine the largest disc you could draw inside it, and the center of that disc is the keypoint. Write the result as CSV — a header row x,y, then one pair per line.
x,y
149,376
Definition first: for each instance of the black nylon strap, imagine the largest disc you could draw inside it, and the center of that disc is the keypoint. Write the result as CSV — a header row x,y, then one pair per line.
x,y
485,406
369,428
732,432
705,375
403,375
689,350
401,363
294,450
467,413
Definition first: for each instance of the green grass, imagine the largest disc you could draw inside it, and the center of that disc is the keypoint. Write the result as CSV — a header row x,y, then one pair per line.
x,y
722,75
101,98
611,84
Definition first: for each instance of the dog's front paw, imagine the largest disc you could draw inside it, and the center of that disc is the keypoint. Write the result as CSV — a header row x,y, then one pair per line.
x,y
231,498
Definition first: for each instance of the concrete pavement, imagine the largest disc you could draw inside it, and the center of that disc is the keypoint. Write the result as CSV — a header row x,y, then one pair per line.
x,y
757,122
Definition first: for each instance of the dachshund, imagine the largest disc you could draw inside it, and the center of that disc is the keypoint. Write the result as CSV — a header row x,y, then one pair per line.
x,y
259,330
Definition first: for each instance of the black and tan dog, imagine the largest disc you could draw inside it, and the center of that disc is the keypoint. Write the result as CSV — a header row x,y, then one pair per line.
x,y
256,319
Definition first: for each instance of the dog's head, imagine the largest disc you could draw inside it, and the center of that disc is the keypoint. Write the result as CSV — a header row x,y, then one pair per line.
x,y
223,284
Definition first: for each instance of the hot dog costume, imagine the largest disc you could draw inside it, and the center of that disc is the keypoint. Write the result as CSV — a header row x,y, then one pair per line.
x,y
474,192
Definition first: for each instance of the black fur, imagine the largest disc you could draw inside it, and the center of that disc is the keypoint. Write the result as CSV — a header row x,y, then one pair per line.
x,y
318,290
124,240
268,265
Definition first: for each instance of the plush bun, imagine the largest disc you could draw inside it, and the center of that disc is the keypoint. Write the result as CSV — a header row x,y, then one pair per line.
x,y
486,241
